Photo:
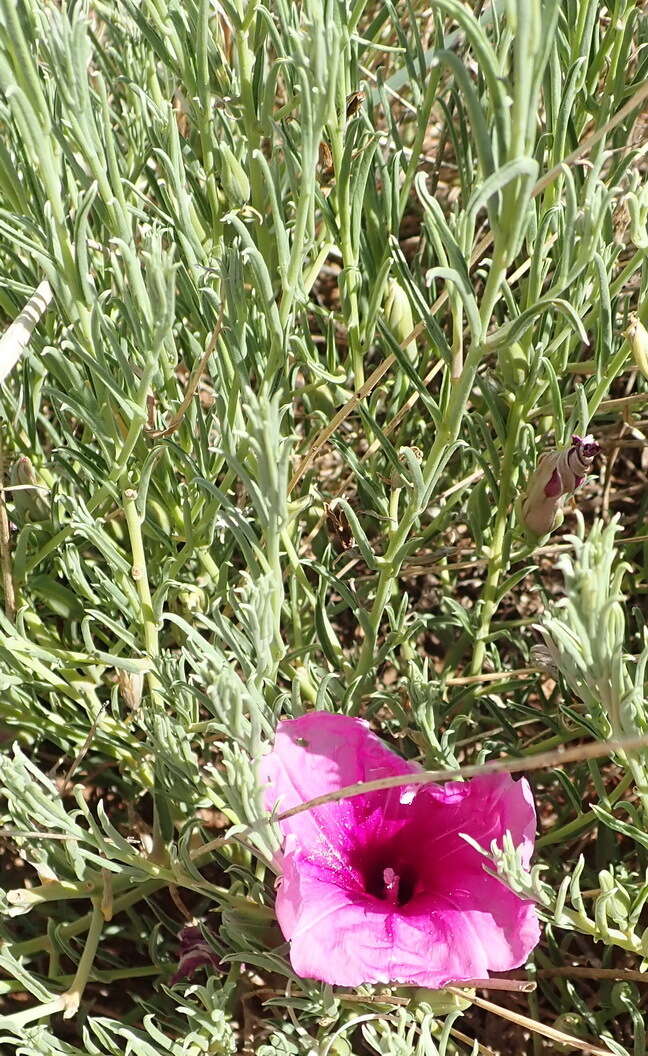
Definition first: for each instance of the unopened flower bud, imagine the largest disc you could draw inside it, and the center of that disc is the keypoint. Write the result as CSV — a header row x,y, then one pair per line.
x,y
404,454
571,1023
557,474
636,202
617,903
29,494
542,656
131,685
195,953
338,526
398,314
188,600
637,337
512,366
233,178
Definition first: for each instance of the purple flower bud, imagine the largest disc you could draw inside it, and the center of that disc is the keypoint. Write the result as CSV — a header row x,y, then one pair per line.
x,y
195,953
557,474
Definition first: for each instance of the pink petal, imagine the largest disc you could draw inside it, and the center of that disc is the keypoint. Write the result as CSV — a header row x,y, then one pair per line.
x,y
554,485
497,804
344,864
505,925
347,938
319,753
483,808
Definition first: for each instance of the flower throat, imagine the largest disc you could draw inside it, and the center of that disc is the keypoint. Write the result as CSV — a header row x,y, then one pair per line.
x,y
389,885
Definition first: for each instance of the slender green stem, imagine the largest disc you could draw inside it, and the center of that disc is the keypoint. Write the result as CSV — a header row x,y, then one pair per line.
x,y
584,821
116,975
423,118
295,265
446,435
72,997
20,1019
204,117
140,577
350,278
245,64
162,824
496,563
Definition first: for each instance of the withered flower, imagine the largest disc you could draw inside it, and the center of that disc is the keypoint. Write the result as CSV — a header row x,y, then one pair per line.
x,y
556,476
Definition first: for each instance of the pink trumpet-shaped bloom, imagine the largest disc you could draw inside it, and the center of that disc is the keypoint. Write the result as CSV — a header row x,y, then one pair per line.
x,y
382,887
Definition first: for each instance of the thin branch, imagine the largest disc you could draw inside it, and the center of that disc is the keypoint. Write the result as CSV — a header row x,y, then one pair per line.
x,y
493,676
83,751
192,385
532,1024
5,547
622,975
559,757
483,1050
513,986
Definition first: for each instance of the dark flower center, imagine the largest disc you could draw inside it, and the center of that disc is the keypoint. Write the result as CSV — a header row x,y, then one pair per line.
x,y
393,885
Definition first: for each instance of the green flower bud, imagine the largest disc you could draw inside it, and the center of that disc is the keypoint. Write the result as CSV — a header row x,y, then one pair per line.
x,y
398,315
637,337
440,1002
340,1047
159,516
233,178
570,1023
30,497
512,366
192,599
398,480
636,201
617,904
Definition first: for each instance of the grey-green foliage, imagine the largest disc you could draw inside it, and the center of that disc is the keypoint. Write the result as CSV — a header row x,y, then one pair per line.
x,y
614,917
223,224
585,637
205,1029
586,633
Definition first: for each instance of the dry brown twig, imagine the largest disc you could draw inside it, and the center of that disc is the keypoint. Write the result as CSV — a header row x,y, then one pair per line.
x,y
192,385
558,757
533,1025
621,975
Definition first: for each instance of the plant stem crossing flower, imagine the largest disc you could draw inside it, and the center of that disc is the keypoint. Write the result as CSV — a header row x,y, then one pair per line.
x,y
382,887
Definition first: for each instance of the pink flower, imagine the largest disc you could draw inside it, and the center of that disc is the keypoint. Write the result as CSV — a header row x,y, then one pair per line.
x,y
381,887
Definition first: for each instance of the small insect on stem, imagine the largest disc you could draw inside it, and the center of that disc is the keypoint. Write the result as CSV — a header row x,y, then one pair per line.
x,y
338,527
353,103
325,160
